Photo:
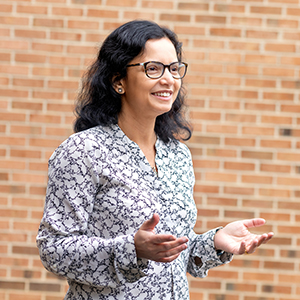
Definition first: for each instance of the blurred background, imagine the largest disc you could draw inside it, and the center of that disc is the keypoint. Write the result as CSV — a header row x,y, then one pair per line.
x,y
243,87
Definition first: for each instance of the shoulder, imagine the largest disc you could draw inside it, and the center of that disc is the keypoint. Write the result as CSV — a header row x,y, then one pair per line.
x,y
83,142
179,148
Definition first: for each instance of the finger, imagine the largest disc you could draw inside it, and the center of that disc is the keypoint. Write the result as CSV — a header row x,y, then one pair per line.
x,y
168,259
162,238
251,249
172,252
150,224
168,241
242,249
250,223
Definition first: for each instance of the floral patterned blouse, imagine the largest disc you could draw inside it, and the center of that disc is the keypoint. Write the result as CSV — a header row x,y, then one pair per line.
x,y
101,189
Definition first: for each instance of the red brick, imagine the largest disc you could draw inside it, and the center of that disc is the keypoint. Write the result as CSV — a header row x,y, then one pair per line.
x,y
257,203
174,17
221,201
221,177
288,181
242,94
13,93
16,45
257,179
241,118
12,285
224,105
224,80
282,72
261,83
257,155
63,84
192,6
6,8
291,84
275,143
221,128
205,140
228,32
246,21
282,23
238,190
251,46
265,10
46,287
47,71
67,11
275,193
5,57
276,120
211,19
275,168
30,58
26,33
239,166
32,9
28,82
245,70
204,43
291,36
278,265
53,23
27,202
206,92
198,115
47,47
206,189
229,8
262,59
260,106
66,36
280,47
240,142
9,20
83,24
221,152
81,49
290,61
260,34
293,11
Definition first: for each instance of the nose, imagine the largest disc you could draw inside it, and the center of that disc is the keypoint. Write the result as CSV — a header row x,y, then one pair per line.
x,y
167,76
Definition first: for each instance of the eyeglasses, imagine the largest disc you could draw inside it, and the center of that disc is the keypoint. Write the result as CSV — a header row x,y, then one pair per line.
x,y
156,69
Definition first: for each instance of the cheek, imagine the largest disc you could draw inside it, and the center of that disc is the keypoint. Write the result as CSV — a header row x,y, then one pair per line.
x,y
177,89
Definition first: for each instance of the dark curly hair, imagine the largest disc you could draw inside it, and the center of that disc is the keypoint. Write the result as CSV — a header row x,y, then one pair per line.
x,y
99,104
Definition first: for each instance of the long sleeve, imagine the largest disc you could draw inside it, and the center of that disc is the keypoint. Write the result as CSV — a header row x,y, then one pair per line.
x,y
203,256
65,245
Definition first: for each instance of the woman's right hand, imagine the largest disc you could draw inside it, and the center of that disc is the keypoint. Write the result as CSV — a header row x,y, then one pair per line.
x,y
157,247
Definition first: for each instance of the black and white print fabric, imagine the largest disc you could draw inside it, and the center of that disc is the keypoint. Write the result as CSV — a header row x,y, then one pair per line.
x,y
101,189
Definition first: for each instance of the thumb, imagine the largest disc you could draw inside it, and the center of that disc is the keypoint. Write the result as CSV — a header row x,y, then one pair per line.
x,y
150,224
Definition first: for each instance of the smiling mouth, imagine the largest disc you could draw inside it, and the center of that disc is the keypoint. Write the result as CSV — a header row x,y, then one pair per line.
x,y
164,94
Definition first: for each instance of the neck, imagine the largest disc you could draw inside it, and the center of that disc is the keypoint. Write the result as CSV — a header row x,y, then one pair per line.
x,y
140,131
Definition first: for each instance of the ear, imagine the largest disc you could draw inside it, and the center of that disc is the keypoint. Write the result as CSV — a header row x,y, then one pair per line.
x,y
118,85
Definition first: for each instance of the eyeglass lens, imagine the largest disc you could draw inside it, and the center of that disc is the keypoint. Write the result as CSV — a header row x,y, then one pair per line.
x,y
156,69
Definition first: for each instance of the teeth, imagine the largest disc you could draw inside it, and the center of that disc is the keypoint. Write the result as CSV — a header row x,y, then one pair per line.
x,y
165,94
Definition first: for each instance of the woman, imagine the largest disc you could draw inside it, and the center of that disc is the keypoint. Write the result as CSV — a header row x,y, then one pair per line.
x,y
119,212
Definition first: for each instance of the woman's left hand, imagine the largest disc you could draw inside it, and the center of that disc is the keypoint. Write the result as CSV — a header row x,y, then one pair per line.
x,y
236,238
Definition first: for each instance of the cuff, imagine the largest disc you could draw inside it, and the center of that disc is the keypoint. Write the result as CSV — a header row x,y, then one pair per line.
x,y
128,267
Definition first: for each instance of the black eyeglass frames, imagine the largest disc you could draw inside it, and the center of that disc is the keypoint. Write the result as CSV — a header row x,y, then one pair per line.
x,y
156,69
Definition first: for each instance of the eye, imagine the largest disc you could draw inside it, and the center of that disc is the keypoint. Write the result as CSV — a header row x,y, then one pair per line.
x,y
152,68
174,68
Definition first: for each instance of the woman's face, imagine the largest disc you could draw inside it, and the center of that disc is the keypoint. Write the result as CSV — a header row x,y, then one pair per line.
x,y
145,97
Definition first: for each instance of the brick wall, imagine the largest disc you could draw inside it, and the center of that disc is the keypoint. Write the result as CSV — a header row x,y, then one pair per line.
x,y
243,91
